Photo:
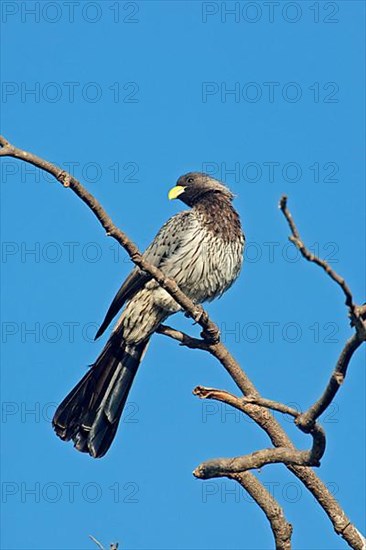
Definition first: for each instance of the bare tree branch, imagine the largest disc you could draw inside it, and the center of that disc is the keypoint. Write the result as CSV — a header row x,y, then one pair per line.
x,y
241,402
258,459
306,420
281,529
222,467
356,315
273,405
211,344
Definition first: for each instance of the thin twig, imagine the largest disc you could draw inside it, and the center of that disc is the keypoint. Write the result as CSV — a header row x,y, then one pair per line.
x,y
273,405
296,239
96,542
183,338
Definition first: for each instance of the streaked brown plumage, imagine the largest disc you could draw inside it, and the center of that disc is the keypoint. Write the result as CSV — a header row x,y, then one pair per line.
x,y
202,249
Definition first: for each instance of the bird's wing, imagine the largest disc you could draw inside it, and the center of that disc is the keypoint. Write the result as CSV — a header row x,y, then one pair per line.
x,y
164,246
130,286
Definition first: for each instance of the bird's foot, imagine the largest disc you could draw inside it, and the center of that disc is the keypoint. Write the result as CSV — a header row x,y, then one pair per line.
x,y
211,334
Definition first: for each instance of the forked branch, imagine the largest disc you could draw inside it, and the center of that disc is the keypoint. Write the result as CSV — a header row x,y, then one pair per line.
x,y
253,404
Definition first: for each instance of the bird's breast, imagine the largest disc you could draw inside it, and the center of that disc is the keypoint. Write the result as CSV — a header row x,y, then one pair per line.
x,y
207,265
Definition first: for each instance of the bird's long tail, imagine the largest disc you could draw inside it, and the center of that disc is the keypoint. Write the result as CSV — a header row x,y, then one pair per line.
x,y
91,412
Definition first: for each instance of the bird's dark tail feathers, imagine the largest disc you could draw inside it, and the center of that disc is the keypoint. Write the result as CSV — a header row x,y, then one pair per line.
x,y
91,412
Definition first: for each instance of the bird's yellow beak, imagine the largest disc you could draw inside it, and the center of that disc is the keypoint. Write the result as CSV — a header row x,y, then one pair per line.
x,y
175,192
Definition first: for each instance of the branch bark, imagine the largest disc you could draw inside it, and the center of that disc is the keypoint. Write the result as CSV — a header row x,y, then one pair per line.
x,y
281,529
211,344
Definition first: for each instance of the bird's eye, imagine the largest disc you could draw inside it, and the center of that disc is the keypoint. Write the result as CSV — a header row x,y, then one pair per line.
x,y
190,180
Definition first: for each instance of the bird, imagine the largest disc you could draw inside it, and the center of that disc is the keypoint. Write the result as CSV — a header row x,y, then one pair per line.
x,y
201,248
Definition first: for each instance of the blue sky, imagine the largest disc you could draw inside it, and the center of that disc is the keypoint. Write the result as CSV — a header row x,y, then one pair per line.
x,y
130,96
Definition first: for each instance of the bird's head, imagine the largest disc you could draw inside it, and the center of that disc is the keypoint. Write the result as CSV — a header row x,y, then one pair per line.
x,y
191,187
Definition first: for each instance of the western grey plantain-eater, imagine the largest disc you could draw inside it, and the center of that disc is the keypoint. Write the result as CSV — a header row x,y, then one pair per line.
x,y
202,250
